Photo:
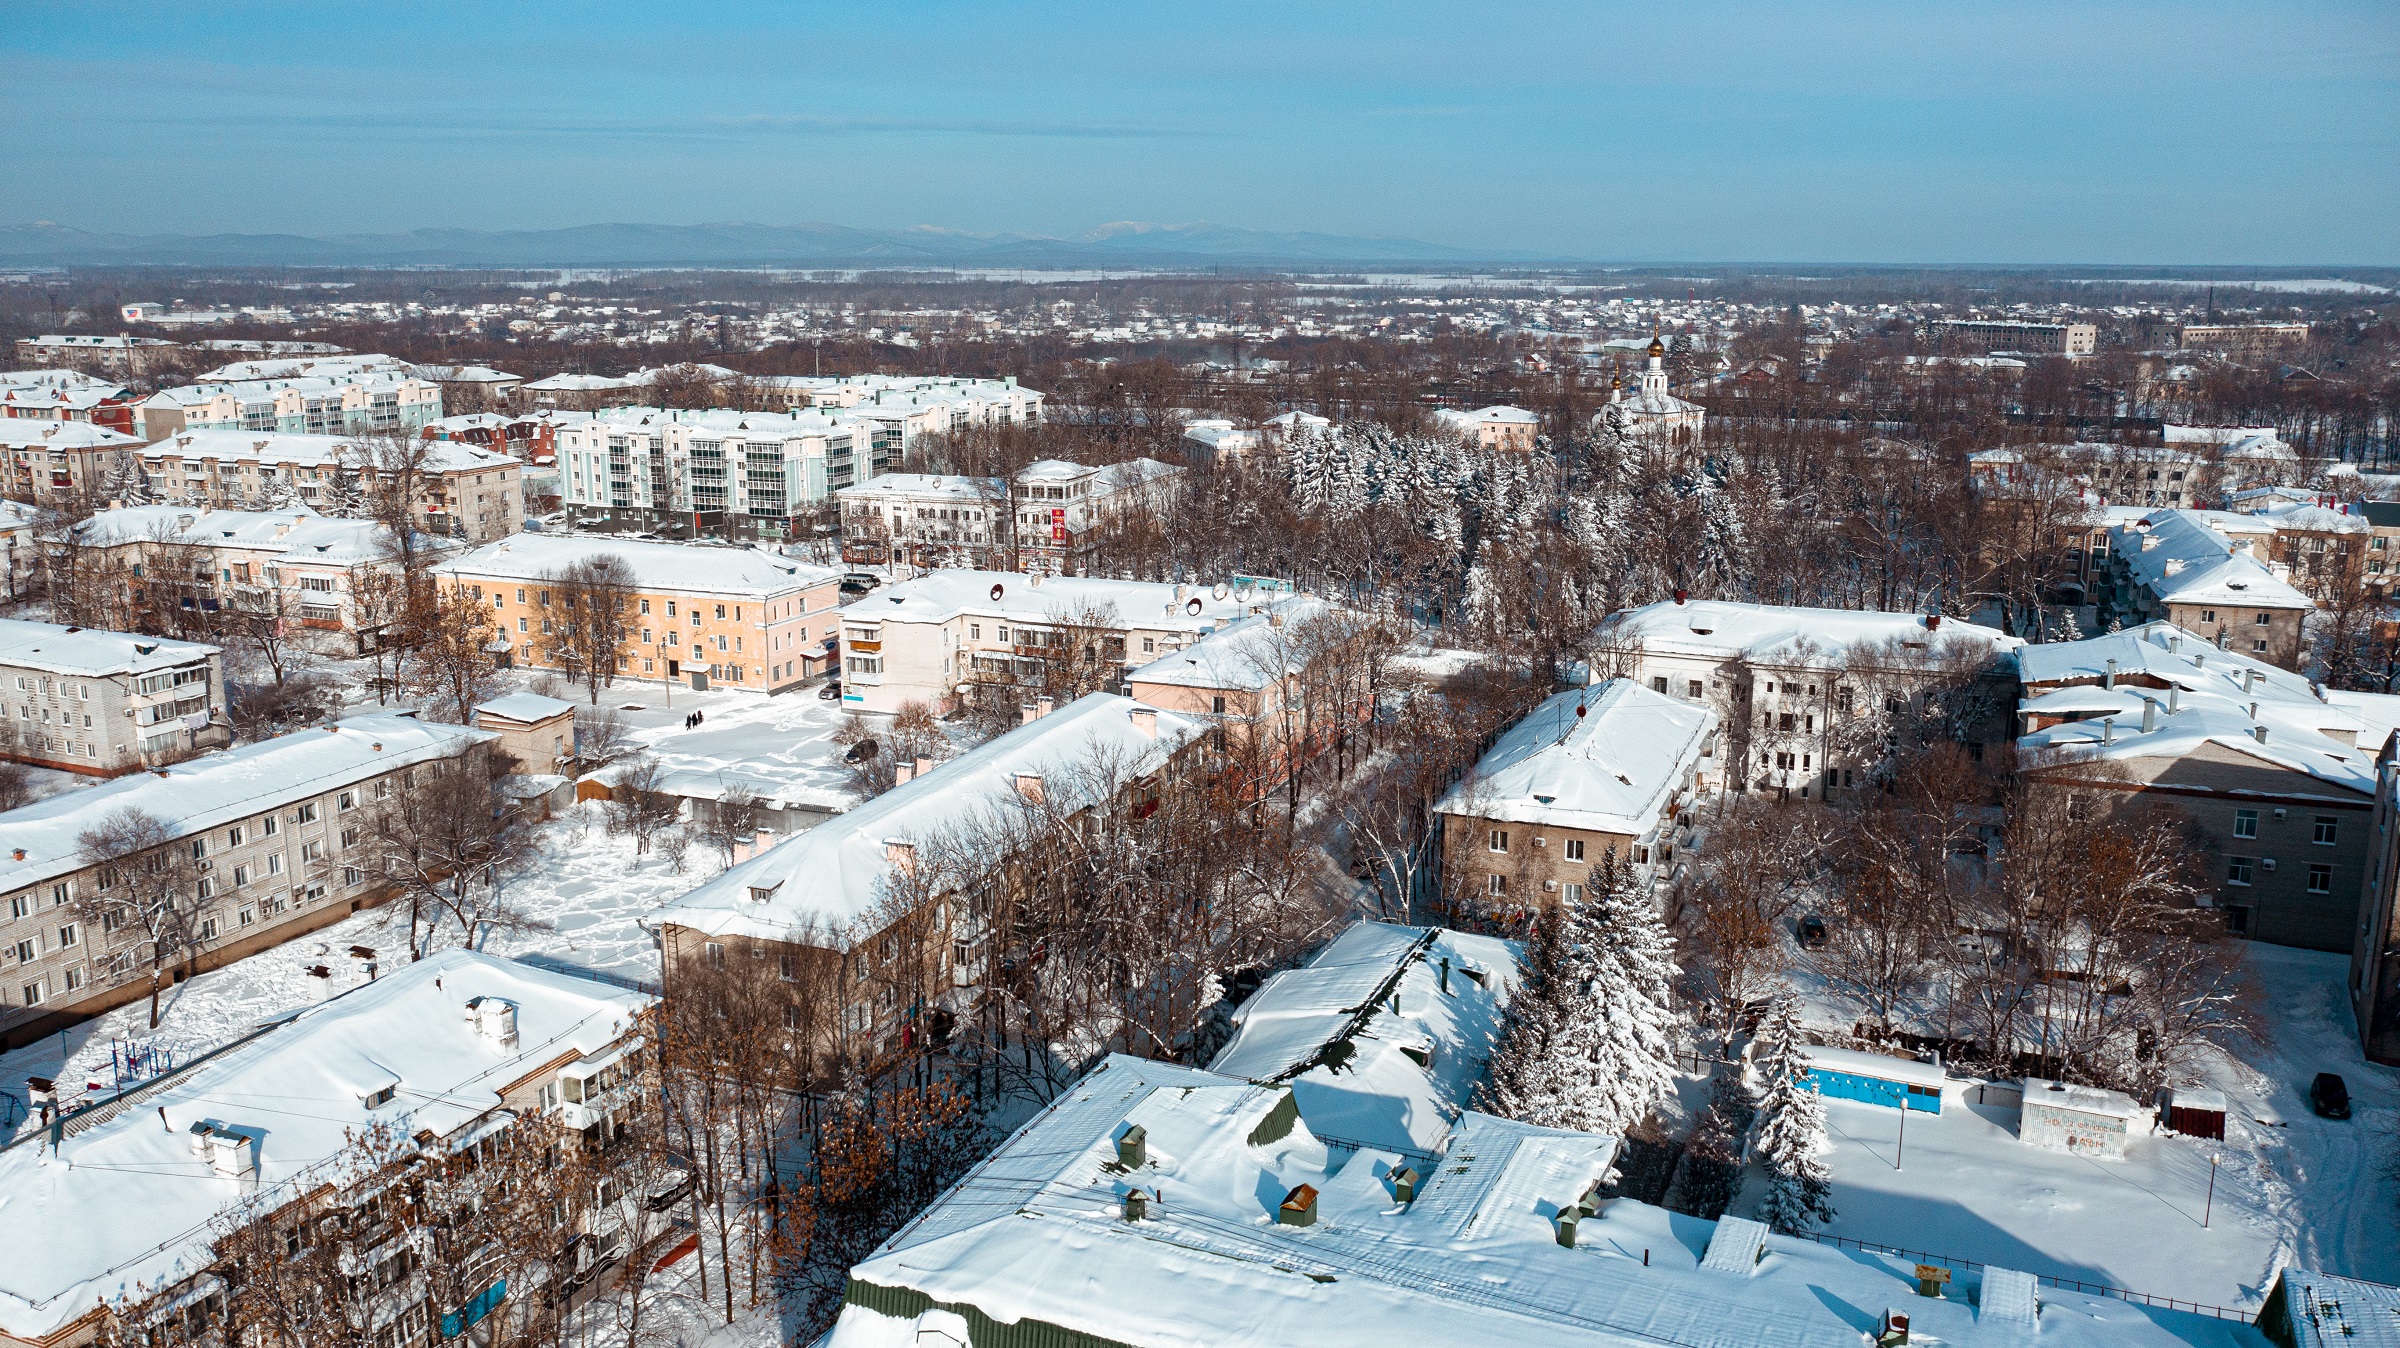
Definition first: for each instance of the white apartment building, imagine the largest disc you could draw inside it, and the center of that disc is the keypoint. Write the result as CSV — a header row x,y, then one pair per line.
x,y
1061,508
464,491
103,703
265,825
2064,339
449,1052
928,519
922,640
308,569
917,404
349,403
713,471
1799,689
64,463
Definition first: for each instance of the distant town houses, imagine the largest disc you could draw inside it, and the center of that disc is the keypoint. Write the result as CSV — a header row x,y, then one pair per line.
x,y
1811,699
707,615
953,638
260,843
461,491
105,703
67,395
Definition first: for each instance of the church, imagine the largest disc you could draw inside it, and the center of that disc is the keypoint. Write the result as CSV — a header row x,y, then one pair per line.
x,y
1652,413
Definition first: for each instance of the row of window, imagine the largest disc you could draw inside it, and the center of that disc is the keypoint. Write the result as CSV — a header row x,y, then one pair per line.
x,y
2243,870
1498,841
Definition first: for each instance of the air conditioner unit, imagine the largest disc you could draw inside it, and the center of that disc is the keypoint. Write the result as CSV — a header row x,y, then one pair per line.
x,y
1540,841
2266,863
1549,886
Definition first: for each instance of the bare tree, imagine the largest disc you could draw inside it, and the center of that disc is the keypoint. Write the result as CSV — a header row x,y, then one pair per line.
x,y
144,896
596,622
637,807
441,838
454,665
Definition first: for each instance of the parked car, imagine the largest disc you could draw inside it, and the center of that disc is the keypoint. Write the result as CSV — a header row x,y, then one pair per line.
x,y
2329,1095
832,691
1811,933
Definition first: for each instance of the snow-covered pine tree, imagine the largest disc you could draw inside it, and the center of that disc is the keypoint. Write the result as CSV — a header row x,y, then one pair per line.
x,y
1791,1126
1519,1068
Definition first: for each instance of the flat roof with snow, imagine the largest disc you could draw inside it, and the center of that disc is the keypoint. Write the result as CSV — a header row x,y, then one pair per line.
x,y
690,568
939,596
1775,634
1608,759
92,652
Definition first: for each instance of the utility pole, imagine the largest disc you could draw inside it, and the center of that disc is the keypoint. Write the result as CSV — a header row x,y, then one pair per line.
x,y
2209,1209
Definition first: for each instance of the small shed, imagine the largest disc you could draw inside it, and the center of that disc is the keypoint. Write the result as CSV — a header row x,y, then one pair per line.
x,y
537,731
2081,1119
1875,1078
2194,1112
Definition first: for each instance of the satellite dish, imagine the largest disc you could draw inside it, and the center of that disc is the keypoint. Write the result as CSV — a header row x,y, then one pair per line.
x,y
1220,591
1193,608
997,590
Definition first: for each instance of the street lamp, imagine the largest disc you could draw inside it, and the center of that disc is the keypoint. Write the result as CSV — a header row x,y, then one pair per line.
x,y
2209,1209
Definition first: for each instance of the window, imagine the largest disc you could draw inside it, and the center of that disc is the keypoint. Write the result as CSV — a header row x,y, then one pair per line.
x,y
1217,704
275,864
349,837
2262,620
348,800
2245,823
306,814
2320,879
268,825
233,836
1574,849
2237,870
1573,892
311,850
716,955
1693,689
2326,829
353,876
2208,615
1658,684
28,951
33,993
1498,841
1495,886
20,905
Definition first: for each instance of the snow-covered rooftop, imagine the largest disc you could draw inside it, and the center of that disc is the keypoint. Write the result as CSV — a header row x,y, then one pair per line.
x,y
1383,1036
2187,557
821,881
300,449
1773,634
1038,1232
224,787
125,1203
298,535
91,651
1608,759
524,707
43,433
947,486
1250,653
692,568
939,596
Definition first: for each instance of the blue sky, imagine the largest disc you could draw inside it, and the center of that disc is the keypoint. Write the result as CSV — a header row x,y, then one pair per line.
x,y
1926,132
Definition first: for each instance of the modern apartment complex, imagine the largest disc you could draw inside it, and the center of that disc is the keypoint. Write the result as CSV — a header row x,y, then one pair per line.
x,y
739,616
463,492
104,703
714,472
266,830
1003,634
449,1052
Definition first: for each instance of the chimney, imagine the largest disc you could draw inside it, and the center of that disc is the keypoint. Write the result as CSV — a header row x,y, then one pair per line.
x,y
2149,541
2250,682
1029,785
924,765
1043,706
229,1154
2149,714
766,839
1933,622
1137,1205
1299,1207
1145,719
495,1019
1681,595
902,772
1404,1183
902,855
2174,698
2260,731
1568,1219
2109,680
1132,1147
2108,730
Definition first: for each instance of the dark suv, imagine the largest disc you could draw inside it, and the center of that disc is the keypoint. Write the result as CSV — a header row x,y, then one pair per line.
x,y
2329,1095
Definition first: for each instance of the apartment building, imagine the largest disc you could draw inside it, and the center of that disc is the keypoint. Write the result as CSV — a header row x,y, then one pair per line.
x,y
350,402
531,439
1492,428
66,395
1807,697
2252,753
596,392
1279,687
1003,634
463,491
2060,339
2375,940
826,900
311,571
2209,573
450,1052
1062,509
911,404
65,464
262,825
713,472
928,520
104,703
20,548
115,357
472,388
1612,770
2233,339
738,616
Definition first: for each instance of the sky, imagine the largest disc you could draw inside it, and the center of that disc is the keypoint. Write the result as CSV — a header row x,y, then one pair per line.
x,y
2189,132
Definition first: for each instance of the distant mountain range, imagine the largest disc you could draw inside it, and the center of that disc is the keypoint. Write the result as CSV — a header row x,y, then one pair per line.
x,y
1123,244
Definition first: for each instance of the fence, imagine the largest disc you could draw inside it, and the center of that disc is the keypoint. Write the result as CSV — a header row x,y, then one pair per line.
x,y
2048,1280
552,964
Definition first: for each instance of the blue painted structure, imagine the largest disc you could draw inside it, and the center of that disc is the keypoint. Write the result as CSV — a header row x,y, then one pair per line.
x,y
1875,1090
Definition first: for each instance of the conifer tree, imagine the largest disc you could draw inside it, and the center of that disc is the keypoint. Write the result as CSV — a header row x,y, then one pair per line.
x,y
1521,1058
1617,1048
1791,1126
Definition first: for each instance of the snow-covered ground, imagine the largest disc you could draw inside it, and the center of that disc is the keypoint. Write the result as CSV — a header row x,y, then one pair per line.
x,y
2291,1187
